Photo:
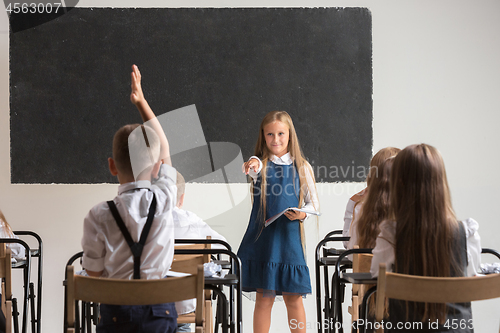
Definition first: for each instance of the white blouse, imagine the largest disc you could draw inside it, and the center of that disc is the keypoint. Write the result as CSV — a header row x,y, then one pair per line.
x,y
384,248
17,250
353,230
311,201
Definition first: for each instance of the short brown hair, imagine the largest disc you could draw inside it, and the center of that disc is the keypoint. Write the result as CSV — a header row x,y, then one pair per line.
x,y
131,138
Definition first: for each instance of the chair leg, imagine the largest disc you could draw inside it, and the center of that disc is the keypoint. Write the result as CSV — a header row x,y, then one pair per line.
x,y
209,324
15,315
8,316
32,305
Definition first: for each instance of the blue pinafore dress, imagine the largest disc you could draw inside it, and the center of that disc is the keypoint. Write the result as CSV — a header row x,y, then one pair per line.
x,y
272,257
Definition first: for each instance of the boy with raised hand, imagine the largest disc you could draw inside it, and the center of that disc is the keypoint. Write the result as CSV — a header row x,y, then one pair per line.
x,y
141,213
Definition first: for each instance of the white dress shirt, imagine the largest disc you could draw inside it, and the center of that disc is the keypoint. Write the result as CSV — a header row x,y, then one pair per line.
x,y
17,250
384,248
104,246
353,229
188,225
311,201
349,210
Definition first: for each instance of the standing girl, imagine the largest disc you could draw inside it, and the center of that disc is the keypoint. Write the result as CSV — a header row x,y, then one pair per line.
x,y
423,237
273,257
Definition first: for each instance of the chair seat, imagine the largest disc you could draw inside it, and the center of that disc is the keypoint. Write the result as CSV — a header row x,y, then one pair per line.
x,y
186,318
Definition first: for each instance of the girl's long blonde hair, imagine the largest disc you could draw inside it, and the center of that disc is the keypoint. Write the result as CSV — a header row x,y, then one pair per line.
x,y
426,226
301,164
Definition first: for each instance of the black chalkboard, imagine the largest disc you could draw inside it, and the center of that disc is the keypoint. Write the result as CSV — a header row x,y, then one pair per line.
x,y
70,83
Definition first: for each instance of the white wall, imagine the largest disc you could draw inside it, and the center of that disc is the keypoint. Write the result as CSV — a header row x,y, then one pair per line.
x,y
436,70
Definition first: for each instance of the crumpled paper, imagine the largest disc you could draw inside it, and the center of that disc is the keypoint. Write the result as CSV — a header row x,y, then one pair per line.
x,y
490,268
212,270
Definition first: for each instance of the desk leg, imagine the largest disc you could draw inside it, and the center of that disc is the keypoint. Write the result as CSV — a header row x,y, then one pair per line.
x,y
318,298
239,306
32,306
338,308
222,297
26,296
328,300
15,315
231,308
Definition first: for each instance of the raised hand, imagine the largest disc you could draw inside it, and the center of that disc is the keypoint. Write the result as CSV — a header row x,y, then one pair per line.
x,y
136,95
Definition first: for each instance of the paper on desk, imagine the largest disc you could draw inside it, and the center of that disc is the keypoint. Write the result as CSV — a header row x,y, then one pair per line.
x,y
176,274
275,217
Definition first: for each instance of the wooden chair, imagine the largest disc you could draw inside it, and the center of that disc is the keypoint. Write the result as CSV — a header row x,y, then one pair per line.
x,y
133,292
184,263
433,289
6,275
361,263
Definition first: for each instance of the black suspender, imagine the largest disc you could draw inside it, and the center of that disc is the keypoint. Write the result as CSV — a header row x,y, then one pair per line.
x,y
136,248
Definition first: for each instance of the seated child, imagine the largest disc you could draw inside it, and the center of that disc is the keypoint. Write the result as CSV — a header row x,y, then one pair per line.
x,y
365,226
146,197
423,237
356,201
17,250
189,226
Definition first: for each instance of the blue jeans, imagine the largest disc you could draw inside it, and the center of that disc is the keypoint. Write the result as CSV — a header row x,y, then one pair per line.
x,y
160,318
184,327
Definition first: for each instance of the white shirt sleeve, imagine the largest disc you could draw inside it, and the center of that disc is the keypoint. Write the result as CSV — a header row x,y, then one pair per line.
x,y
251,172
473,246
167,178
204,230
384,248
353,231
311,201
17,250
349,209
93,245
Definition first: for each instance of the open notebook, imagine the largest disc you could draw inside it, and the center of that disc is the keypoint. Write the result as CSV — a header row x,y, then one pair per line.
x,y
275,217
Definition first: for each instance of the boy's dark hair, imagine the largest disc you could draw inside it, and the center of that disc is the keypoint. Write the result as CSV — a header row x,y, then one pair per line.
x,y
142,142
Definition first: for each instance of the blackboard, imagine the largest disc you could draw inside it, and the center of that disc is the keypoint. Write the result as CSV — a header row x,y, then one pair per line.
x,y
70,83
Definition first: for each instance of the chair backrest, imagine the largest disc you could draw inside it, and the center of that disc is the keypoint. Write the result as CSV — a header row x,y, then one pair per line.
x,y
6,276
433,289
184,262
361,263
133,292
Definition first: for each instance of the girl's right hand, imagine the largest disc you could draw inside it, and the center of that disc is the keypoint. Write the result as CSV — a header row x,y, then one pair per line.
x,y
251,164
